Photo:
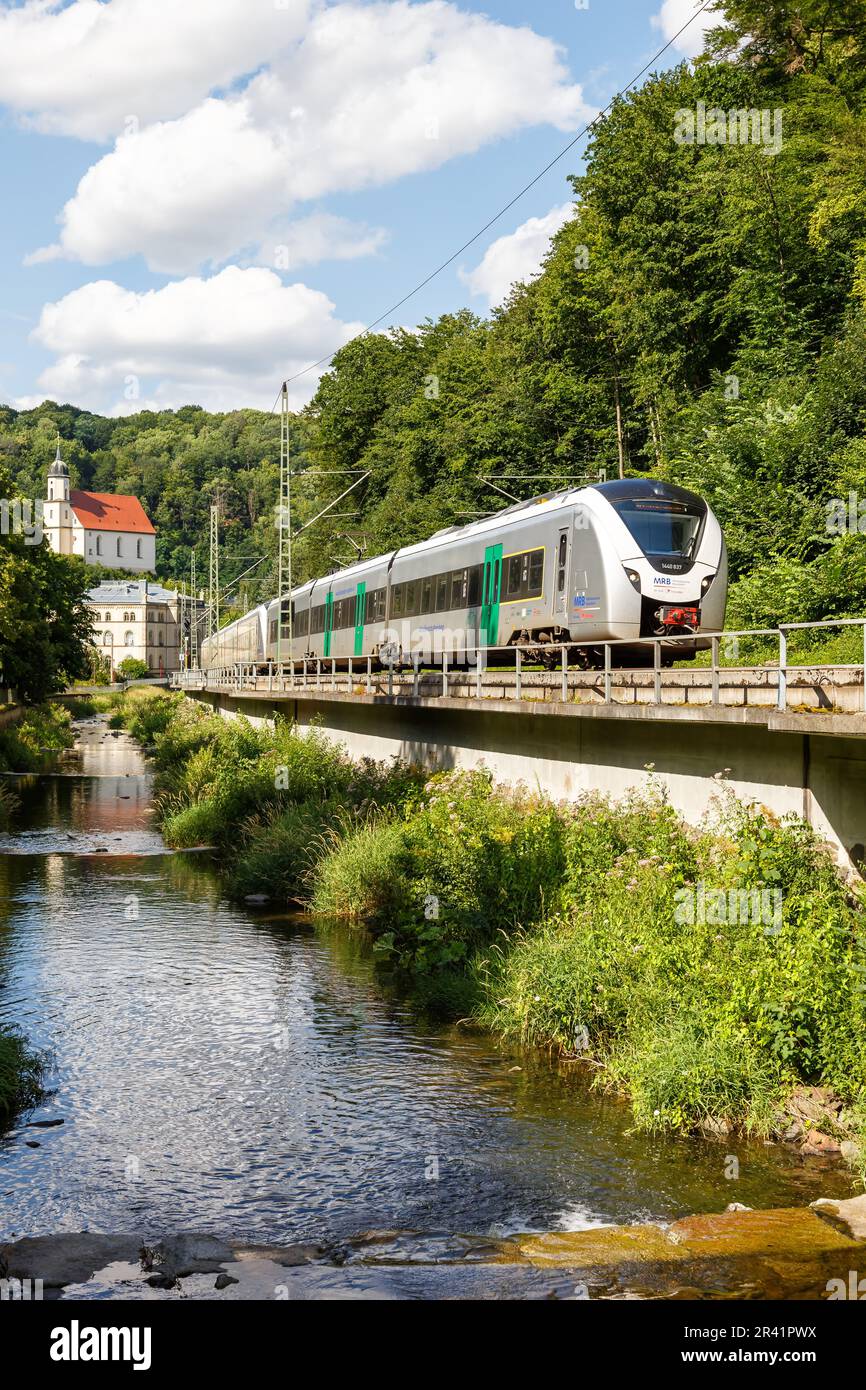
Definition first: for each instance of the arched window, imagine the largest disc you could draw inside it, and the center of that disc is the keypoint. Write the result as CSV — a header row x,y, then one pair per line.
x,y
108,617
106,641
129,639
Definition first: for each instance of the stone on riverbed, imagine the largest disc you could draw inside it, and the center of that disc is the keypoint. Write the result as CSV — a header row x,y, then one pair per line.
x,y
66,1259
849,1215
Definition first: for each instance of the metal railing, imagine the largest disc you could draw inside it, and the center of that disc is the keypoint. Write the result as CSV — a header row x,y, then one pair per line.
x,y
334,673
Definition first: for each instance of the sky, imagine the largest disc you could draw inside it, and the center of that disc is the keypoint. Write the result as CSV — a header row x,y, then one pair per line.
x,y
203,197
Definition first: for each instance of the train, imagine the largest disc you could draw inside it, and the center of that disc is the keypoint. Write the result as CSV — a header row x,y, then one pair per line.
x,y
608,562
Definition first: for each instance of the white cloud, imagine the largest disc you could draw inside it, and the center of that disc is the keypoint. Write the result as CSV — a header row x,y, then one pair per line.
x,y
517,256
222,342
371,93
320,237
87,68
674,14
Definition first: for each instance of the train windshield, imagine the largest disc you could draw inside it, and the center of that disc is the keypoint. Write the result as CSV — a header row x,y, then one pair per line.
x,y
661,526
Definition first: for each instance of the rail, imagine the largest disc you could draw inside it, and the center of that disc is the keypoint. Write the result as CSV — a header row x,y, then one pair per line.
x,y
334,673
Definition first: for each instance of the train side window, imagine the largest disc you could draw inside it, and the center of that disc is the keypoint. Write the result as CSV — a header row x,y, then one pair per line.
x,y
272,630
441,593
474,592
427,595
397,601
536,573
513,576
409,609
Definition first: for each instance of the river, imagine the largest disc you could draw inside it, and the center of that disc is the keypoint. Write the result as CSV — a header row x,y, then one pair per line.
x,y
244,1073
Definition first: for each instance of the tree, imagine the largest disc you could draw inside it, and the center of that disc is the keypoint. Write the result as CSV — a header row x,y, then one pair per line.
x,y
45,627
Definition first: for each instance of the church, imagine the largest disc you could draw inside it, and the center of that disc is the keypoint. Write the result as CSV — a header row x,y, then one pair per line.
x,y
102,528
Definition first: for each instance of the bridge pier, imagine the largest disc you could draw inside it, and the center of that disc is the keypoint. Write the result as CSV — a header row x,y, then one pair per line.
x,y
810,765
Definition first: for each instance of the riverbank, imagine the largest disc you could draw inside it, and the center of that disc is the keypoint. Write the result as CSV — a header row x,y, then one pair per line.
x,y
802,1253
713,977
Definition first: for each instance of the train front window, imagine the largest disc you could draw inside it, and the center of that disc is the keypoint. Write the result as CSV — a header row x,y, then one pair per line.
x,y
661,527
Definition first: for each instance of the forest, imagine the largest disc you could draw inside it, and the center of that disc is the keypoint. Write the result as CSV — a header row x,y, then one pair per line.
x,y
701,318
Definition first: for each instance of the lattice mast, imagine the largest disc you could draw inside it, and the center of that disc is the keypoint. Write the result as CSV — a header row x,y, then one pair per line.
x,y
284,524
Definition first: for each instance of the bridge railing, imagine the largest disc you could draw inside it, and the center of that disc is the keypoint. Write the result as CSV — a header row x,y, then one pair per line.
x,y
327,673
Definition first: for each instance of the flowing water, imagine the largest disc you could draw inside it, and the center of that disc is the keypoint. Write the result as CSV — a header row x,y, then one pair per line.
x,y
243,1073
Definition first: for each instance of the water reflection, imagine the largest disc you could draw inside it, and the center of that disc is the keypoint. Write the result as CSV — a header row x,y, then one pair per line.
x,y
246,1075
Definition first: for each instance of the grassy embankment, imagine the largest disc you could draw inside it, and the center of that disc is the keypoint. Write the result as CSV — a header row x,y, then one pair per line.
x,y
556,926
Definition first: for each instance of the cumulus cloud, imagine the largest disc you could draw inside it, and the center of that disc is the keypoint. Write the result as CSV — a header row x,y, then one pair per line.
x,y
674,14
222,342
369,94
517,256
91,68
320,237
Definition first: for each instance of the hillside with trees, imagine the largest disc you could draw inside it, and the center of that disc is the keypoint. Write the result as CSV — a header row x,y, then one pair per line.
x,y
701,318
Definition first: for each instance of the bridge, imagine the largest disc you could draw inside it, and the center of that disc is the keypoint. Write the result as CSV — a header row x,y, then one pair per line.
x,y
789,735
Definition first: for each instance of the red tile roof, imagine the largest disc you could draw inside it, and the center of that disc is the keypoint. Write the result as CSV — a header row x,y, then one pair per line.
x,y
100,511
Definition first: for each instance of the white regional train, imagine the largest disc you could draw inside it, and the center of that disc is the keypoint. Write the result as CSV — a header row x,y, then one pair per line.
x,y
613,561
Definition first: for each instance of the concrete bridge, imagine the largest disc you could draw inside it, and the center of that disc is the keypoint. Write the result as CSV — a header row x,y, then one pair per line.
x,y
793,740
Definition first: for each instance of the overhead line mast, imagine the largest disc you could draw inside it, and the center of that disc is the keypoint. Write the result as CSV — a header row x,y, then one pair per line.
x,y
214,575
284,523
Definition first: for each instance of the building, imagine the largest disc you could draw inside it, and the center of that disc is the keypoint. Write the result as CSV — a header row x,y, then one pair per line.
x,y
102,528
138,619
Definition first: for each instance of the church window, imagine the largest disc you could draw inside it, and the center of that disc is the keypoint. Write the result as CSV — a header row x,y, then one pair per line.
x,y
138,549
118,545
99,545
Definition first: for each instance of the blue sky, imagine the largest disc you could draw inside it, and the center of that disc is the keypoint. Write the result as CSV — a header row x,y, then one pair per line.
x,y
206,196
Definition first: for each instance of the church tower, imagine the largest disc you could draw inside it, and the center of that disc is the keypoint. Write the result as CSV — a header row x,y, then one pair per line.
x,y
58,517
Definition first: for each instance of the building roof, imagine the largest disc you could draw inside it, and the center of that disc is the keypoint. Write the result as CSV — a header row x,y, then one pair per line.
x,y
135,591
101,511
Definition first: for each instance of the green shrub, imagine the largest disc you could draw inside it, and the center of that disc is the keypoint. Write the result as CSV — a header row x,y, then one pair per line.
x,y
132,669
693,1017
28,744
20,1074
462,863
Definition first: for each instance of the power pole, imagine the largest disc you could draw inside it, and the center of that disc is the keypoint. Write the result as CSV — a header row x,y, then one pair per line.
x,y
214,576
284,523
194,616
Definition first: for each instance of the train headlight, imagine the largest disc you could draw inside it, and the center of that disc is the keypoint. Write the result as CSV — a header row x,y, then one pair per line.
x,y
706,582
633,578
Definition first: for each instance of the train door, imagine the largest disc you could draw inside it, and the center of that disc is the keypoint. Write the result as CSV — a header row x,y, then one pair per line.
x,y
490,595
329,621
360,602
560,595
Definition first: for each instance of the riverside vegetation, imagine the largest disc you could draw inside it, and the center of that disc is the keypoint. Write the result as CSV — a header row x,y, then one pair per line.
x,y
553,925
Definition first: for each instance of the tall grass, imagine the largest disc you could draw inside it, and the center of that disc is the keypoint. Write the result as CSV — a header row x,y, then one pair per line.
x,y
30,744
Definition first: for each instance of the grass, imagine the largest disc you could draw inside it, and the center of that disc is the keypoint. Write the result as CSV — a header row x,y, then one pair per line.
x,y
20,1075
580,928
30,744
